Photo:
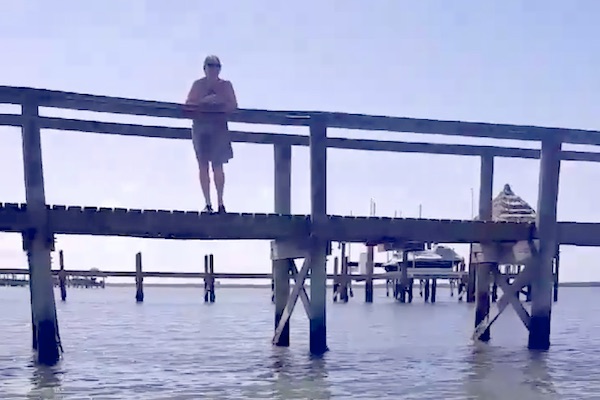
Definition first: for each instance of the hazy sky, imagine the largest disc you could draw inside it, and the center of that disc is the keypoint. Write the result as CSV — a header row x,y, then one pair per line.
x,y
529,62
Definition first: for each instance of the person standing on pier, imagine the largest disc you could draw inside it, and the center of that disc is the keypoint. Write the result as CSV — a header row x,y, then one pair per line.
x,y
209,101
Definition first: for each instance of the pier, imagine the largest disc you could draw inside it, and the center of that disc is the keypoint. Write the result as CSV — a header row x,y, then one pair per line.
x,y
308,237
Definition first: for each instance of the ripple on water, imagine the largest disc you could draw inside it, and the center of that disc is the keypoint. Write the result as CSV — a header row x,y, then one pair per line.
x,y
176,347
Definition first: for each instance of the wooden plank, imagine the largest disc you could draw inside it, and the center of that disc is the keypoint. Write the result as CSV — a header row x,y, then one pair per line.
x,y
10,120
300,140
78,101
182,225
179,224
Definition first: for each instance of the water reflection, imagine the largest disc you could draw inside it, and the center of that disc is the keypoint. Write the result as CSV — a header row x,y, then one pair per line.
x,y
537,374
500,373
45,381
298,377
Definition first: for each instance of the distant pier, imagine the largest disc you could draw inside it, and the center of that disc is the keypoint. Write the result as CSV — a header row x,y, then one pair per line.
x,y
533,245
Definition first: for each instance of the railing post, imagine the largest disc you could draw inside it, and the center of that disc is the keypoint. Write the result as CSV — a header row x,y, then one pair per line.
x,y
283,205
318,246
542,276
483,274
39,241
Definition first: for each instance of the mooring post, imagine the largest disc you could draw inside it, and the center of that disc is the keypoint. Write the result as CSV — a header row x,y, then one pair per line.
x,y
556,268
39,241
139,279
369,277
471,277
547,229
336,279
483,274
211,271
283,205
344,277
62,277
433,290
318,247
403,287
206,279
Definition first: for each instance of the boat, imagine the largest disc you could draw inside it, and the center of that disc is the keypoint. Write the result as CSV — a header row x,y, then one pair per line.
x,y
439,257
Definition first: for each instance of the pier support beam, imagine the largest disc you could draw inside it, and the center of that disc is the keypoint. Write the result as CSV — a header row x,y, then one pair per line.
x,y
369,278
318,247
62,277
482,276
283,205
39,242
542,275
139,279
344,280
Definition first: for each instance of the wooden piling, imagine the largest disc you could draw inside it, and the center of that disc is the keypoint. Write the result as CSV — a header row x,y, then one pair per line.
x,y
62,277
211,271
336,279
283,205
556,268
433,290
471,278
139,279
344,278
369,278
542,276
318,247
483,274
38,241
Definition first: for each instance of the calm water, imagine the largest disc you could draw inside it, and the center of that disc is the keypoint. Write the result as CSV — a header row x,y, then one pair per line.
x,y
176,347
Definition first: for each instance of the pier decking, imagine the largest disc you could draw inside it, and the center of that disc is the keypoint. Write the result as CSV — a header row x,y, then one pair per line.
x,y
301,236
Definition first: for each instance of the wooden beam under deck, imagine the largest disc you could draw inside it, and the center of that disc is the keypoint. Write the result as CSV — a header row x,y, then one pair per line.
x,y
192,225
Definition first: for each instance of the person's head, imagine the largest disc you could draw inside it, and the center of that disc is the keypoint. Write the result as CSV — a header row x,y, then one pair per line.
x,y
212,67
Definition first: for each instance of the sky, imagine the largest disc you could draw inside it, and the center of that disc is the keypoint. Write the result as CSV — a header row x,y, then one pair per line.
x,y
503,61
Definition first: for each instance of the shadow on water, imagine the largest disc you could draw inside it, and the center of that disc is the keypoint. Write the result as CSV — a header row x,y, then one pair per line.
x,y
498,373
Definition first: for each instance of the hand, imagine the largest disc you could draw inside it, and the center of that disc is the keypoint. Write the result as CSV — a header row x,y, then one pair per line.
x,y
189,109
210,99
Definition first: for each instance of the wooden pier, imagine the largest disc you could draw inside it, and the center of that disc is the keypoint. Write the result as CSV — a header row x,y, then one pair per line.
x,y
307,237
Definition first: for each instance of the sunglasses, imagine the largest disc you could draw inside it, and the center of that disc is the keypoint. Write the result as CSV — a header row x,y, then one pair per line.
x,y
213,65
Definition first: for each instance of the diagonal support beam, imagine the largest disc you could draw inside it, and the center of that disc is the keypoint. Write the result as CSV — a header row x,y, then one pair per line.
x,y
508,297
514,300
303,295
289,308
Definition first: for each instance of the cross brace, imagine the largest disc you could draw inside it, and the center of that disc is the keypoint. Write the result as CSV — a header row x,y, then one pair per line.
x,y
298,291
509,296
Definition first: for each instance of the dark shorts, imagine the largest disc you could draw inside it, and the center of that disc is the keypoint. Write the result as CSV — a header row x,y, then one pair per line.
x,y
212,142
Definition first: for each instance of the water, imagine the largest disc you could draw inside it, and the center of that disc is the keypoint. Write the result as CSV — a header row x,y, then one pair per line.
x,y
176,347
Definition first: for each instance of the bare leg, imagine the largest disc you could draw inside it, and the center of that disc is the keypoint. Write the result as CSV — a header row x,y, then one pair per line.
x,y
205,182
219,176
